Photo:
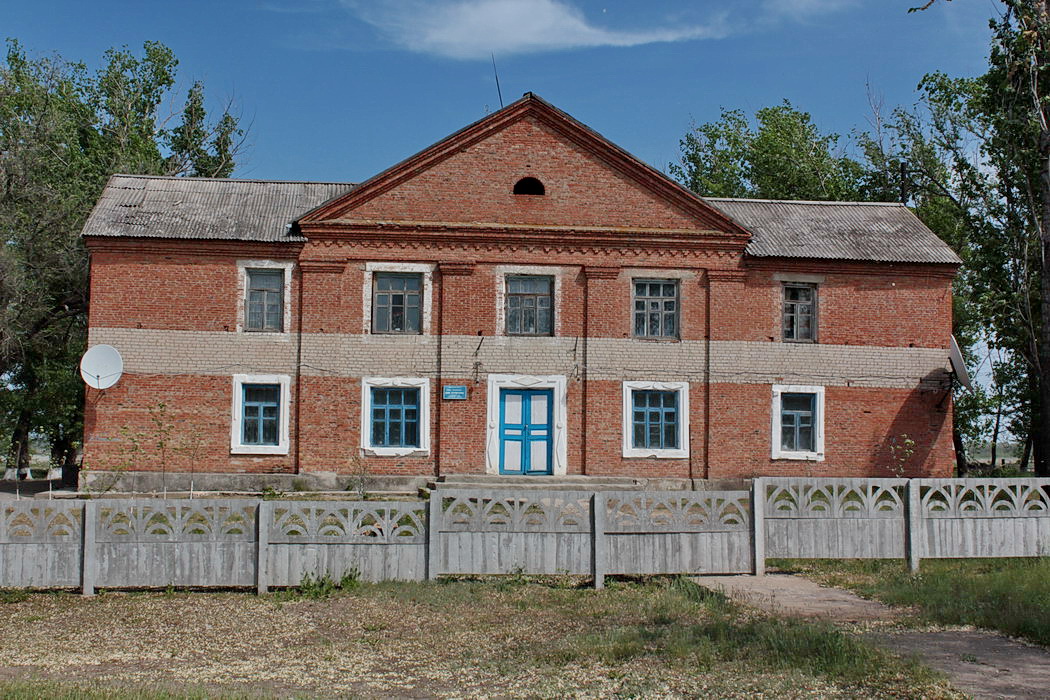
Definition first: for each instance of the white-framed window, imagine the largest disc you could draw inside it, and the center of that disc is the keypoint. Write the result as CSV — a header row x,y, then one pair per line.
x,y
395,416
265,302
260,413
798,422
656,419
513,316
398,298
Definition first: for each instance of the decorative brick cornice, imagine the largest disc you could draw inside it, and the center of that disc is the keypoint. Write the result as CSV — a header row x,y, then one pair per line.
x,y
517,236
194,247
322,266
601,273
458,268
731,276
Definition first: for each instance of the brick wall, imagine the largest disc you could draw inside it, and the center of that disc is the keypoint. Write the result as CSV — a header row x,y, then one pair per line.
x,y
171,307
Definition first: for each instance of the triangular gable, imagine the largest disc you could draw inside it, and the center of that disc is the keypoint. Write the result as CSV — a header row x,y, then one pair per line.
x,y
365,201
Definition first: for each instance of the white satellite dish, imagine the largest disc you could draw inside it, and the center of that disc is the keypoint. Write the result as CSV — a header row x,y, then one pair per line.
x,y
101,366
959,366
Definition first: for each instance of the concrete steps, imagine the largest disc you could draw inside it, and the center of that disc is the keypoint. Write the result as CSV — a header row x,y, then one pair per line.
x,y
556,483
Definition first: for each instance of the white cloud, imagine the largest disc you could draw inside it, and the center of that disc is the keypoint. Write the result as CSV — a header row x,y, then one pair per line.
x,y
802,9
471,29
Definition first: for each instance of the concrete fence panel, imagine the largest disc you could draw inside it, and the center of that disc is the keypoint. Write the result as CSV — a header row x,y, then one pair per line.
x,y
823,518
678,532
985,517
378,541
154,542
41,543
501,532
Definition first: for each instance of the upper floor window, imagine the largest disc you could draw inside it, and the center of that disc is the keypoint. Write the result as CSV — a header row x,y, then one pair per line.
x,y
397,302
264,300
530,310
800,312
656,308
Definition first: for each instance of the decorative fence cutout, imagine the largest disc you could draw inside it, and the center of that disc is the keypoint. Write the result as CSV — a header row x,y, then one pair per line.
x,y
253,543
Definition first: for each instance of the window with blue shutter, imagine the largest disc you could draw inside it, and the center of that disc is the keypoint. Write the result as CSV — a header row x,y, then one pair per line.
x,y
655,419
797,413
395,417
261,414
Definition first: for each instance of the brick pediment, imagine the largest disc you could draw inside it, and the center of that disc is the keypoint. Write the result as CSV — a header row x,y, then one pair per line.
x,y
469,178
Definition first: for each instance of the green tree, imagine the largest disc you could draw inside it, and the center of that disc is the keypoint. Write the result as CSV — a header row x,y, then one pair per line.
x,y
781,155
63,131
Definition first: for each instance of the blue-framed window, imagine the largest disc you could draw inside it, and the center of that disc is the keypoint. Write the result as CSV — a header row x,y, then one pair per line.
x,y
261,414
655,419
797,413
395,417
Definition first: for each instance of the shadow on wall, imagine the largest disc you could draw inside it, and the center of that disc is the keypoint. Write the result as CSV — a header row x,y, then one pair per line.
x,y
908,448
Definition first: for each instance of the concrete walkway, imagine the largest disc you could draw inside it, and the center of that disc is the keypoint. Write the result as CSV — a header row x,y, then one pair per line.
x,y
984,664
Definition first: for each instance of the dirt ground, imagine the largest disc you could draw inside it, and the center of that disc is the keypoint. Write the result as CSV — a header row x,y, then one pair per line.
x,y
402,640
985,664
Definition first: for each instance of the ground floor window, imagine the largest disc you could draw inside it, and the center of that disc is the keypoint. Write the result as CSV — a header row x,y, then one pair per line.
x,y
259,423
655,419
798,422
395,416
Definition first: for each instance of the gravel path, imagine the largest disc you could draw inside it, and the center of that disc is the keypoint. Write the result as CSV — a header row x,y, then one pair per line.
x,y
985,664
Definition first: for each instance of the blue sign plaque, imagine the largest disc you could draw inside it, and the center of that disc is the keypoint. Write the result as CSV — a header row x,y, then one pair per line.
x,y
454,392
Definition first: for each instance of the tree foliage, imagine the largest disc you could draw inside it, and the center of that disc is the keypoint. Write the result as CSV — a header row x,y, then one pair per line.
x,y
63,131
782,154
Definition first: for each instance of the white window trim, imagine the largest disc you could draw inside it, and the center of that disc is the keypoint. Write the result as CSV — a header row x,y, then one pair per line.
x,y
426,269
558,383
369,383
239,380
629,450
504,271
242,283
818,422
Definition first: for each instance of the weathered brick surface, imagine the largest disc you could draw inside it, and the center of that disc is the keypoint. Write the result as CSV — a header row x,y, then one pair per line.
x,y
171,308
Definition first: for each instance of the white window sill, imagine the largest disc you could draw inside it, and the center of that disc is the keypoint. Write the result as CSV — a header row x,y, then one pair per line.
x,y
803,456
259,450
655,454
395,452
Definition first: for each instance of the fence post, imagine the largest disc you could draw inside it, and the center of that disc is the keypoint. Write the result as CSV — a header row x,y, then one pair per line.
x,y
758,523
88,550
263,518
598,538
914,525
433,529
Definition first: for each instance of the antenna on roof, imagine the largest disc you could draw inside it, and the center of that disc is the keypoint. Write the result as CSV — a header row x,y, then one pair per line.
x,y
495,73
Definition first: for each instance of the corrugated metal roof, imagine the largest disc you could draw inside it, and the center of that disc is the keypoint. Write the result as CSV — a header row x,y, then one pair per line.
x,y
877,232
206,208
261,210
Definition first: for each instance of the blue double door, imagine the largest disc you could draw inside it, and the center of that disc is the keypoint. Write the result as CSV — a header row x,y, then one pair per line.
x,y
526,431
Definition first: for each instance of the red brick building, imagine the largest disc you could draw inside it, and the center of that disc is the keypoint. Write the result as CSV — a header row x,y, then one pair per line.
x,y
522,297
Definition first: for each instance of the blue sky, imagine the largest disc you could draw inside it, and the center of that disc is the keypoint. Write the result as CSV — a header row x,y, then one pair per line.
x,y
341,89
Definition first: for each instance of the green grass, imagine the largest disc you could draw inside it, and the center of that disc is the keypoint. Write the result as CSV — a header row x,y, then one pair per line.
x,y
50,690
1008,595
692,625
